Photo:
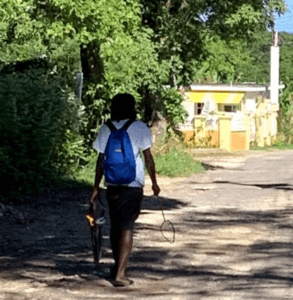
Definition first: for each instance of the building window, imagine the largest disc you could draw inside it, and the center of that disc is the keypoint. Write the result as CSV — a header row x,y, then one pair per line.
x,y
198,109
230,108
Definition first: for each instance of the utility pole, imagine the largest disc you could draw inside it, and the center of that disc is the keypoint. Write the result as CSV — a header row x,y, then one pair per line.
x,y
275,62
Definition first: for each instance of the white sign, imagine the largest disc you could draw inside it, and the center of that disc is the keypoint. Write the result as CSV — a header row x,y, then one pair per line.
x,y
250,105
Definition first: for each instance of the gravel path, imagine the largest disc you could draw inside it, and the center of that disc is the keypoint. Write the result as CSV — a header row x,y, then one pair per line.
x,y
233,239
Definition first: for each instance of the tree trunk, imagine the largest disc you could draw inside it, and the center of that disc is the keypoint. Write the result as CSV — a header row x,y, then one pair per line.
x,y
93,74
92,67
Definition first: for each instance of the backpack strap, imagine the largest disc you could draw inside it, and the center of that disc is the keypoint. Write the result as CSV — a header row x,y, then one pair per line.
x,y
111,126
127,124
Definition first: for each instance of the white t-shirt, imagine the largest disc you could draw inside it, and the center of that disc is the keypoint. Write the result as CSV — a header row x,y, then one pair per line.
x,y
140,138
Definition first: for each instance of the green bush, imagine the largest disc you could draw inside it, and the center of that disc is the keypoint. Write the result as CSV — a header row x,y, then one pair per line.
x,y
285,126
31,108
69,153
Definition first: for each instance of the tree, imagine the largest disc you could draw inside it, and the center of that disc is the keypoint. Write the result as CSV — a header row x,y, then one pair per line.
x,y
257,68
181,27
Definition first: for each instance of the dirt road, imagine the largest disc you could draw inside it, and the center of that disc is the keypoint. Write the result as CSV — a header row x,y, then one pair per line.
x,y
234,239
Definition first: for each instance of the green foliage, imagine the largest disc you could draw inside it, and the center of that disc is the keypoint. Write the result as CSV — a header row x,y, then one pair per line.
x,y
86,175
286,98
131,62
181,27
69,152
174,111
277,145
258,68
286,58
286,71
69,155
285,126
177,163
282,146
223,60
29,124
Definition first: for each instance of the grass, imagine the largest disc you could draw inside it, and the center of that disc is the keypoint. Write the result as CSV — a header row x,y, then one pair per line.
x,y
87,174
277,146
177,163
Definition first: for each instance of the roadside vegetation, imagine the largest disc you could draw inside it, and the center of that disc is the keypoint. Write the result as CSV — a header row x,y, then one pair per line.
x,y
275,146
177,163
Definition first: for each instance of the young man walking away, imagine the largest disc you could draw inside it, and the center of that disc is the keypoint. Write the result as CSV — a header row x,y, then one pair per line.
x,y
125,181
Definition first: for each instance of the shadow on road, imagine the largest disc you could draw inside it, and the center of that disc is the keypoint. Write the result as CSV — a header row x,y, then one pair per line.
x,y
52,243
216,167
278,186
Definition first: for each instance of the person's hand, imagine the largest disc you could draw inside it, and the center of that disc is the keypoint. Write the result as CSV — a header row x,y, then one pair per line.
x,y
156,189
95,195
90,216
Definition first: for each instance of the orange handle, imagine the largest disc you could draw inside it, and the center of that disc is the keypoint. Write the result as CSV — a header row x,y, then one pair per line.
x,y
90,220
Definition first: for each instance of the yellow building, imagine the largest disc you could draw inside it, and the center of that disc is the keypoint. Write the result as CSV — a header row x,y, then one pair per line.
x,y
230,116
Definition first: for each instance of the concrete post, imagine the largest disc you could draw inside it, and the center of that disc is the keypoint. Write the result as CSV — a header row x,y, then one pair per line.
x,y
269,136
260,130
274,126
275,54
248,130
225,132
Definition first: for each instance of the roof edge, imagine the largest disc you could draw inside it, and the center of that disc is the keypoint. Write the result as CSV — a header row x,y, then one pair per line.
x,y
227,88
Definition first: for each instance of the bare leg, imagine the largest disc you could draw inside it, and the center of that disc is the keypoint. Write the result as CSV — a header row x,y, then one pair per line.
x,y
121,242
125,246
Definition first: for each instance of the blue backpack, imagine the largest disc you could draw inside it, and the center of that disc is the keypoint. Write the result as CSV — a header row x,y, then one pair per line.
x,y
119,163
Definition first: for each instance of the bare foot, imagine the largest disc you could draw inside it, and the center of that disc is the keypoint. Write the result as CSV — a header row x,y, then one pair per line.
x,y
122,281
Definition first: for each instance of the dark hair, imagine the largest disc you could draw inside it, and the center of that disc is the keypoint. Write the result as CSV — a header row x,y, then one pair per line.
x,y
123,107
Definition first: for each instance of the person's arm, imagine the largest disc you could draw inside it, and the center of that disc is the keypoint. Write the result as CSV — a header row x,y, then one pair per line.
x,y
99,175
150,165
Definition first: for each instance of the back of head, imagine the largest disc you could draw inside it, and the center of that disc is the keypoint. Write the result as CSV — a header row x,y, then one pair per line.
x,y
123,107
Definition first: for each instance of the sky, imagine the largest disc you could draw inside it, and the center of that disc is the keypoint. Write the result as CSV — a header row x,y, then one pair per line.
x,y
285,22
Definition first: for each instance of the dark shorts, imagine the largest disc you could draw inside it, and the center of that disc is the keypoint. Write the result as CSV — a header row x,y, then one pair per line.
x,y
124,206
